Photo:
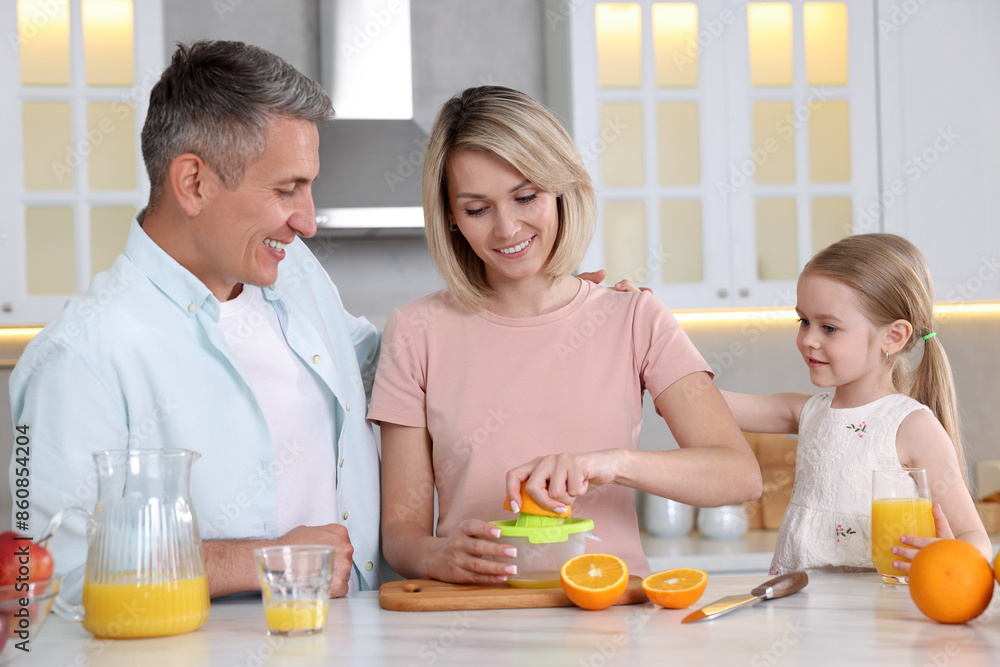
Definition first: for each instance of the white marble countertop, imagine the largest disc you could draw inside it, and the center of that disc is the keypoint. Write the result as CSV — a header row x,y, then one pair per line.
x,y
837,619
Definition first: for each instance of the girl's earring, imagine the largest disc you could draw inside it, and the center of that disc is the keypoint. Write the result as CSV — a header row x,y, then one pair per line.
x,y
886,352
452,227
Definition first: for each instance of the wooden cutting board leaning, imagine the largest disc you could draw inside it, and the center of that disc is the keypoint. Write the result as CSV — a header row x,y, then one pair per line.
x,y
429,595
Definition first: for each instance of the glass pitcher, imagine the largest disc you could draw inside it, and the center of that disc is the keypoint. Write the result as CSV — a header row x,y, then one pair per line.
x,y
145,572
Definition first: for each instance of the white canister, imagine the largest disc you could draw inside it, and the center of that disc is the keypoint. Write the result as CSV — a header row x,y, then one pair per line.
x,y
667,518
728,522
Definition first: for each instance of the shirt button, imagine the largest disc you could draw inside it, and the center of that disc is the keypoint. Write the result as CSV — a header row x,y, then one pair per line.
x,y
341,463
316,359
369,565
345,515
191,308
347,406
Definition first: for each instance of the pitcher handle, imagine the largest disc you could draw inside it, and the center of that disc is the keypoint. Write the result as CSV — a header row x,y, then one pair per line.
x,y
71,612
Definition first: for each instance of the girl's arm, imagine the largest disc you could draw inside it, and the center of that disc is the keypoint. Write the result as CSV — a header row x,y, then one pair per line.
x,y
714,465
408,541
771,413
921,442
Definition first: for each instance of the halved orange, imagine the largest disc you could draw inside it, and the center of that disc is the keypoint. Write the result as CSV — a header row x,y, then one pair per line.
x,y
677,588
594,581
530,506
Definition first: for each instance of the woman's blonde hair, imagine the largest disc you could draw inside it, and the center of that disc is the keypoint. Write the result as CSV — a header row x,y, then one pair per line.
x,y
526,135
891,281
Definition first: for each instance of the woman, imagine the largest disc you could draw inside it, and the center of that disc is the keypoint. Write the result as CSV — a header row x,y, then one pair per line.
x,y
518,363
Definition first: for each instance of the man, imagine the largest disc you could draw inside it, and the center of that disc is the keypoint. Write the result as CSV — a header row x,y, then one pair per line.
x,y
218,331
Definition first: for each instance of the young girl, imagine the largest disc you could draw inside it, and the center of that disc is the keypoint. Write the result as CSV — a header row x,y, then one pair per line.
x,y
864,303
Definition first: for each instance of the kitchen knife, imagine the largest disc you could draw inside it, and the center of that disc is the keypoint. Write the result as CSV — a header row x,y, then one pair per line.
x,y
778,587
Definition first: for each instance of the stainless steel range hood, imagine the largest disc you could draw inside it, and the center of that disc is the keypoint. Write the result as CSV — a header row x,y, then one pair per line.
x,y
371,156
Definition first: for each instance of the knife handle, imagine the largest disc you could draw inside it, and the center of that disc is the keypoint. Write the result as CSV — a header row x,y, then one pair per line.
x,y
781,586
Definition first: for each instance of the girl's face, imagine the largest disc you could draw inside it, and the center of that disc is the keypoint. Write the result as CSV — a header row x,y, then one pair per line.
x,y
510,222
841,347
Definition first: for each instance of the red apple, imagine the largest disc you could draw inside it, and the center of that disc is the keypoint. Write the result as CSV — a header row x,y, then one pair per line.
x,y
17,552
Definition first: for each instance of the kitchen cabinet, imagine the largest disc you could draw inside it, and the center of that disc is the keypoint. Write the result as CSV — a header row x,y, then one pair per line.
x,y
939,72
76,81
728,140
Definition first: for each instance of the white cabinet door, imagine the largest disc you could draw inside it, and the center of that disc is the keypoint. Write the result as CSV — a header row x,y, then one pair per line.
x,y
716,189
939,63
75,82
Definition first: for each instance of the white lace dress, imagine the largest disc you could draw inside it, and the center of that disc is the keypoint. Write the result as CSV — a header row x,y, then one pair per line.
x,y
827,525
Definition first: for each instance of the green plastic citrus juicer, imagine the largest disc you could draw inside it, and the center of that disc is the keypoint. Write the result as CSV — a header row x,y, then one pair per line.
x,y
543,542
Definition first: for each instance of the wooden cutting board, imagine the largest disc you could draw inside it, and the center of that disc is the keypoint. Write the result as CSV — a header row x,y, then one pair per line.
x,y
429,595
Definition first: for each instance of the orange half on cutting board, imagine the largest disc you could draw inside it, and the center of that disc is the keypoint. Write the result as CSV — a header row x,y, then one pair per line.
x,y
594,581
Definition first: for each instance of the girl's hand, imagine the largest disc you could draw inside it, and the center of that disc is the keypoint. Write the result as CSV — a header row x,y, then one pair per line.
x,y
463,558
917,543
556,480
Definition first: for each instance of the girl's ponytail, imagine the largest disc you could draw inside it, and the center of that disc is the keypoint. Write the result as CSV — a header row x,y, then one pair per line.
x,y
932,384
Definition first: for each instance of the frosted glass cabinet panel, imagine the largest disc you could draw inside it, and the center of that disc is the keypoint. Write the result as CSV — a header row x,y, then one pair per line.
x,y
743,148
675,40
112,135
770,36
622,156
830,142
681,235
107,42
774,142
43,37
826,40
48,146
777,240
625,239
51,259
109,227
619,44
831,221
678,132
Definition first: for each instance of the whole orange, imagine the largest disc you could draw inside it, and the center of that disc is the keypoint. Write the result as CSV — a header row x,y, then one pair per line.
x,y
996,567
950,581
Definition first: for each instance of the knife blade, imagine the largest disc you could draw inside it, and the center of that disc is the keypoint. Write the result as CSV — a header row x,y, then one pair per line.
x,y
778,587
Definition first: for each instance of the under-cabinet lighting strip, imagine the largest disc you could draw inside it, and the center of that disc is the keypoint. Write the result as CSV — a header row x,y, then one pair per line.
x,y
744,315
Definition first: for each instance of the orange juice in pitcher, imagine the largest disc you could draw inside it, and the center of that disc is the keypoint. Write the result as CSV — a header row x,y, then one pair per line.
x,y
130,609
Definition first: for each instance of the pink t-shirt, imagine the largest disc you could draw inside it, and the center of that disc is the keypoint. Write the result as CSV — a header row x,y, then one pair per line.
x,y
496,392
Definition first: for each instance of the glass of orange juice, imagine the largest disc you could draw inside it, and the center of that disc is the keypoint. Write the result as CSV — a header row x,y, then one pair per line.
x,y
901,505
295,588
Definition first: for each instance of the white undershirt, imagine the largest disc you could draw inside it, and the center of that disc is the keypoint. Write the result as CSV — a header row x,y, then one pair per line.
x,y
298,408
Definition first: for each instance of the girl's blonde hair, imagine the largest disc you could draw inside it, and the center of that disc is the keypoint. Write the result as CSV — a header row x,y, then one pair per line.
x,y
526,135
891,281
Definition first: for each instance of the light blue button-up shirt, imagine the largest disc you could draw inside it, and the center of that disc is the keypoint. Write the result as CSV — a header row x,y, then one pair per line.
x,y
138,362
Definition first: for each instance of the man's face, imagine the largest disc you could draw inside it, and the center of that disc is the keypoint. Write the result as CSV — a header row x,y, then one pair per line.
x,y
241,234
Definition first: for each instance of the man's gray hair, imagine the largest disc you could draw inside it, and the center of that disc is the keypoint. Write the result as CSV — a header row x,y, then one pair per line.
x,y
216,99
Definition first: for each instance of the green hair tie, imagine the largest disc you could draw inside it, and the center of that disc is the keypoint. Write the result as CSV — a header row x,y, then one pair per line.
x,y
930,335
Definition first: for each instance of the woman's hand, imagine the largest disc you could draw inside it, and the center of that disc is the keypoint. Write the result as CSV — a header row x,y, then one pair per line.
x,y
624,285
464,557
918,543
554,481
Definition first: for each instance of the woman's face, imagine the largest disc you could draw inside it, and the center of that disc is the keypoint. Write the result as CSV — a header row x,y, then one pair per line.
x,y
510,222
